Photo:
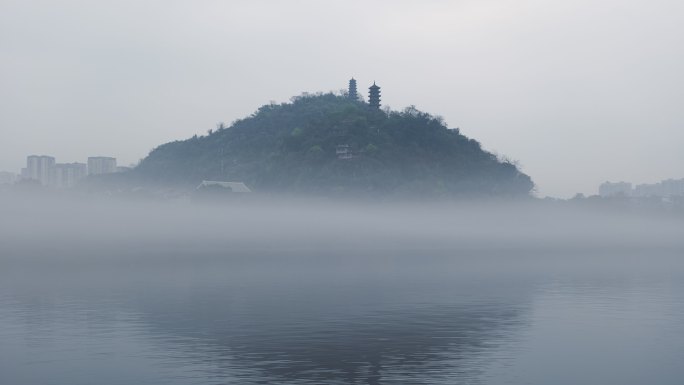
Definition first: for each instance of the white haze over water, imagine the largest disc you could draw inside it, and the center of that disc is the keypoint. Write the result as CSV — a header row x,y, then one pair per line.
x,y
311,291
258,223
579,92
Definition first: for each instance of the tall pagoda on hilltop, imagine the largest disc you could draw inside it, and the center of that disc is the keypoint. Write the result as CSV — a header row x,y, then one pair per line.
x,y
352,94
374,96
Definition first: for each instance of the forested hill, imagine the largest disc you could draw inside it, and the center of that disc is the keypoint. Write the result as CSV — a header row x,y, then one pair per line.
x,y
329,144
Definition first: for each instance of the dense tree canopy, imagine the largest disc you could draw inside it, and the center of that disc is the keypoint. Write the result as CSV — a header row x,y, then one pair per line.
x,y
292,147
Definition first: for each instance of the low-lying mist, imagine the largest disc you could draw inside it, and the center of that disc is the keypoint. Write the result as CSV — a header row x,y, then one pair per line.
x,y
47,228
312,291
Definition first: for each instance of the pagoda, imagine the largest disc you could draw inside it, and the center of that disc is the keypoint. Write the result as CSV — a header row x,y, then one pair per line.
x,y
374,96
353,95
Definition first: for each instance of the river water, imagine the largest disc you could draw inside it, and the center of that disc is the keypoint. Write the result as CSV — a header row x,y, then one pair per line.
x,y
233,307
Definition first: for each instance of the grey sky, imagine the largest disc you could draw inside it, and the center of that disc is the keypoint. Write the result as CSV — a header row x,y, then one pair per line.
x,y
578,91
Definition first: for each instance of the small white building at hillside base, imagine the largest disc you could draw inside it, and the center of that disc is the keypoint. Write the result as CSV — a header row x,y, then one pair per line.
x,y
236,187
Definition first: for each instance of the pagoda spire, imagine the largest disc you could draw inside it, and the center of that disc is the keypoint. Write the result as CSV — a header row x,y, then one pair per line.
x,y
374,96
352,90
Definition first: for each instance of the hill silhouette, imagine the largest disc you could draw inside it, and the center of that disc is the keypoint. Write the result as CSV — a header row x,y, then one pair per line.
x,y
329,144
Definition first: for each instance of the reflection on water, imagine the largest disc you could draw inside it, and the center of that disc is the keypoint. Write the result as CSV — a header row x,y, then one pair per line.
x,y
305,322
120,294
388,320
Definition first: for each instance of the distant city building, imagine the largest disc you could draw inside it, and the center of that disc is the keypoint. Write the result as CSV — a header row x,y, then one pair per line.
x,y
374,96
123,168
66,175
666,188
646,190
98,165
663,189
609,189
7,177
672,187
40,168
352,90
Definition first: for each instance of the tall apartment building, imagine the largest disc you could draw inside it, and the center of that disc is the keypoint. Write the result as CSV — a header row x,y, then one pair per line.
x,y
101,165
66,175
39,167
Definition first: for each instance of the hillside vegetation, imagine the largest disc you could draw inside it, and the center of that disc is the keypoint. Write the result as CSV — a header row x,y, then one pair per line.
x,y
299,147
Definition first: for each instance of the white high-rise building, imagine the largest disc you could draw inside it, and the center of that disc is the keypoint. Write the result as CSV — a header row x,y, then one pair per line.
x,y
66,175
40,168
101,165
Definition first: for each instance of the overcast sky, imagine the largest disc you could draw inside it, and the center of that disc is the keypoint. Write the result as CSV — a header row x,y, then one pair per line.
x,y
578,92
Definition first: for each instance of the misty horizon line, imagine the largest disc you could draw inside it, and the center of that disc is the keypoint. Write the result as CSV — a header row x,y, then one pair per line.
x,y
6,176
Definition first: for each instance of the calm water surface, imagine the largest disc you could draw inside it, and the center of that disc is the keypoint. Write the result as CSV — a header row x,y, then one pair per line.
x,y
165,293
343,318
